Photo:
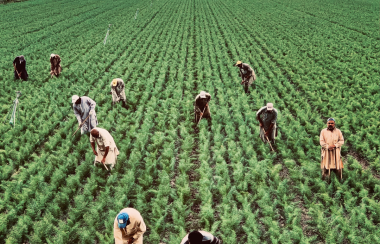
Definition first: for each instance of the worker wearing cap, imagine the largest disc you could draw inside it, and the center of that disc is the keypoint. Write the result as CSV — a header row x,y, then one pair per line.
x,y
128,227
106,150
200,237
247,75
55,64
267,117
19,64
118,92
201,106
84,110
331,140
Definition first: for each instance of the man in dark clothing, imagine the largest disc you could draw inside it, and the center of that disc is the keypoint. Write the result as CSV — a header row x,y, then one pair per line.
x,y
201,107
200,237
19,64
247,75
267,117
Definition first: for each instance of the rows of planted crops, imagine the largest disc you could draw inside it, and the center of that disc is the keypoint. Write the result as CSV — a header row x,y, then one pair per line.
x,y
313,61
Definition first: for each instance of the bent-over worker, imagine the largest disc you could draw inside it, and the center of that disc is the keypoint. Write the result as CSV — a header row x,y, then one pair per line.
x,y
55,64
200,237
201,106
19,64
247,75
331,140
129,227
267,117
118,92
106,150
84,108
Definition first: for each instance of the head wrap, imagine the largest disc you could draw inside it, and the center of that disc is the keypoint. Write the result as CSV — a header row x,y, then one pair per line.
x,y
52,55
202,94
74,98
329,119
114,82
269,106
21,58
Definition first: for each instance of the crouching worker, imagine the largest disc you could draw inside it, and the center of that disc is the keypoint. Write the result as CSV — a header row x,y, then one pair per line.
x,y
200,237
84,111
331,140
118,92
267,117
106,150
201,106
19,64
55,65
128,227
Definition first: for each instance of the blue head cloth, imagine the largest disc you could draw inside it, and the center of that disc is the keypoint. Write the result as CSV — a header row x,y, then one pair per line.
x,y
330,119
122,220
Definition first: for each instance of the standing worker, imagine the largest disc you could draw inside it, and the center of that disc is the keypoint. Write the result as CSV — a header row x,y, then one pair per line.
x,y
55,64
128,227
106,150
267,117
201,106
331,140
19,64
118,92
247,75
200,237
84,110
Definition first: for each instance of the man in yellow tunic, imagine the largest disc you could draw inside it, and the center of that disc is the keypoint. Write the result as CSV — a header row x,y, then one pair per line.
x,y
106,151
331,140
128,227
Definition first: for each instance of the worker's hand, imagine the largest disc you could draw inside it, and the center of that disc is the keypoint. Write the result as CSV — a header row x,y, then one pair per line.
x,y
103,160
201,114
242,82
266,133
261,125
130,241
331,147
91,112
206,104
19,75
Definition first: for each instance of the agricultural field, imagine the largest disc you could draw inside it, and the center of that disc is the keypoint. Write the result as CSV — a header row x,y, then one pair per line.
x,y
313,60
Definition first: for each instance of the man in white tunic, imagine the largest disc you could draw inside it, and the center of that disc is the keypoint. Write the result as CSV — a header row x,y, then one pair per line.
x,y
106,151
128,227
331,141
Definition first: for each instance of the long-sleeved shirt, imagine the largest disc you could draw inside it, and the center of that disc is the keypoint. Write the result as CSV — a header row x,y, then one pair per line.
x,y
267,117
331,159
134,230
118,92
247,72
81,112
200,103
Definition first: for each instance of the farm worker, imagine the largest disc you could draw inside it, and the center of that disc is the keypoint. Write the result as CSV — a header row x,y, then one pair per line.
x,y
19,64
55,64
331,140
267,117
84,110
128,227
200,237
201,106
118,92
106,150
247,75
